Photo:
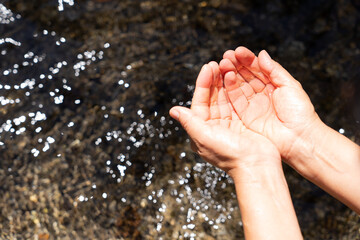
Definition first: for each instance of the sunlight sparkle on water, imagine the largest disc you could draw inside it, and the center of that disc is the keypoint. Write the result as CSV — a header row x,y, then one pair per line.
x,y
6,15
61,4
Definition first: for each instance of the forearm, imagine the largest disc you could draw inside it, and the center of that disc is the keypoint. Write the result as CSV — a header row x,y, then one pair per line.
x,y
265,203
331,161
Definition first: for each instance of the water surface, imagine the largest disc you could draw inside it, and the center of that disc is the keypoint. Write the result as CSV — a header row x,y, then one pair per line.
x,y
87,147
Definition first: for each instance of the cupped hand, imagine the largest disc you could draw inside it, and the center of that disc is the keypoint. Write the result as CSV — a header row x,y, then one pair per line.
x,y
218,134
267,99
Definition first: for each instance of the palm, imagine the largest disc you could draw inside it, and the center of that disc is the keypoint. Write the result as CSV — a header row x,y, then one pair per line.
x,y
276,108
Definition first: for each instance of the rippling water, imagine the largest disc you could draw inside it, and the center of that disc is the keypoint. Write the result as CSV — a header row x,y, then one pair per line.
x,y
88,149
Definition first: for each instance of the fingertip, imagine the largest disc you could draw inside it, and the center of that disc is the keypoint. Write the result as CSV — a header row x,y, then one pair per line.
x,y
205,77
228,54
240,49
213,64
223,62
265,62
188,120
230,80
265,53
216,73
226,66
230,75
214,67
174,113
204,68
244,55
180,113
276,73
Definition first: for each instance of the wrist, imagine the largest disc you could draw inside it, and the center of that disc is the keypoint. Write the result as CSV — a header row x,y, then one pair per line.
x,y
263,196
331,161
304,150
256,169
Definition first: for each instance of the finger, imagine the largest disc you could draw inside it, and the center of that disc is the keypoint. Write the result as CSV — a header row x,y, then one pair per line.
x,y
230,54
216,74
222,101
275,72
201,99
245,87
269,89
214,93
224,106
192,123
226,65
255,83
235,93
234,115
247,75
248,59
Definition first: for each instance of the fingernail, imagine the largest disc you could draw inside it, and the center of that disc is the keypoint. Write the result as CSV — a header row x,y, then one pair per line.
x,y
174,114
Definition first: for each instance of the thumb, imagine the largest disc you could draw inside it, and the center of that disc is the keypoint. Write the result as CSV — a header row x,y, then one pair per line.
x,y
277,74
192,124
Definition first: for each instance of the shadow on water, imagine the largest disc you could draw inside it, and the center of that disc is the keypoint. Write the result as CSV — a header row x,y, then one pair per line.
x,y
87,147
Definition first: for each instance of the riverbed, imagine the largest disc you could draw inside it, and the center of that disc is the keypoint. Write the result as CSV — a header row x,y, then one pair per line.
x,y
87,148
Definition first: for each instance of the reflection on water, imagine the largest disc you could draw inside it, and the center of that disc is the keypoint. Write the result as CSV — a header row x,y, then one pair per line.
x,y
88,149
41,99
62,2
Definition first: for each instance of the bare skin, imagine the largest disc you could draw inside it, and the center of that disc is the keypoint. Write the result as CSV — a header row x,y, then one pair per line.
x,y
270,102
253,161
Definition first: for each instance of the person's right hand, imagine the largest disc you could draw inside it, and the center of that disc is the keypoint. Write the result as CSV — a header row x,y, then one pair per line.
x,y
269,100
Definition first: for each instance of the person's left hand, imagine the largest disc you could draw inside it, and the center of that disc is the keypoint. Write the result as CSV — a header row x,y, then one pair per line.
x,y
218,135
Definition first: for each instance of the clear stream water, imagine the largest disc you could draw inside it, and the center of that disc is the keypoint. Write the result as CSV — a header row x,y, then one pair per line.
x,y
87,147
